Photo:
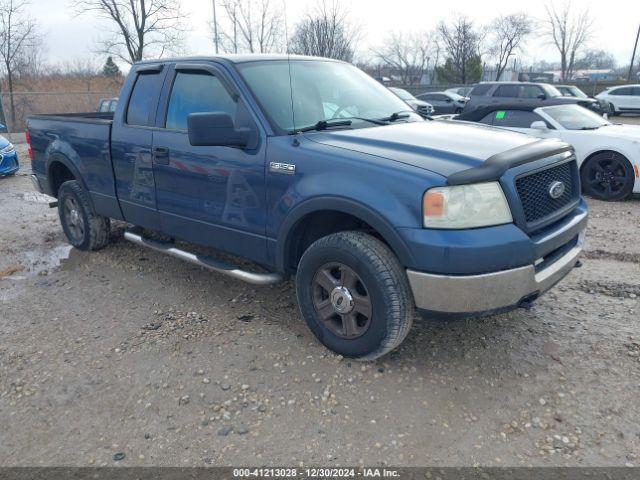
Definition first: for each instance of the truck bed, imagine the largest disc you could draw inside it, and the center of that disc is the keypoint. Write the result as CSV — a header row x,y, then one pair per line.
x,y
82,143
86,117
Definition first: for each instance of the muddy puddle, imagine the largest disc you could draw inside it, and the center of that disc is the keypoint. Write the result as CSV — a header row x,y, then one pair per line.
x,y
42,261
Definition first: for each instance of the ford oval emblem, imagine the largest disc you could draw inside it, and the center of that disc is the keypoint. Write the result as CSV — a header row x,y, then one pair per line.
x,y
556,190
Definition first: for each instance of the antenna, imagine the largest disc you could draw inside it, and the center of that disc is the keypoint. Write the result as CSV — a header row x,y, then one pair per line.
x,y
286,33
215,26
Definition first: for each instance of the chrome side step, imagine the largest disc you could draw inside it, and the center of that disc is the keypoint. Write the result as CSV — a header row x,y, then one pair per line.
x,y
206,262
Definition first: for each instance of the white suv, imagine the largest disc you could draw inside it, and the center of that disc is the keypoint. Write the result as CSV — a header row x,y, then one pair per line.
x,y
625,99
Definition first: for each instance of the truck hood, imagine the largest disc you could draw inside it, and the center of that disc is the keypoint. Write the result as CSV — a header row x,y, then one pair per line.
x,y
443,147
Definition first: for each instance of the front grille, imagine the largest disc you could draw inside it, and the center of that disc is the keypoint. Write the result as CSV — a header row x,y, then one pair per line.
x,y
533,190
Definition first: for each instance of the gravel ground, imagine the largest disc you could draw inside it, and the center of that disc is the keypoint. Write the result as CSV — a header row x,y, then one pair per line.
x,y
128,357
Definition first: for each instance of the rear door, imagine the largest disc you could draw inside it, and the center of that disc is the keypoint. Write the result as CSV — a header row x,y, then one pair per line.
x,y
622,98
131,142
439,102
209,195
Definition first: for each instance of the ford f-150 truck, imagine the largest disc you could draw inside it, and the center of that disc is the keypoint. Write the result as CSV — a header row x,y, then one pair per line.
x,y
309,167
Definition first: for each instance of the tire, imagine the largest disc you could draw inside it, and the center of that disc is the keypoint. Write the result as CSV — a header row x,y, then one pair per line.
x,y
607,176
365,333
85,229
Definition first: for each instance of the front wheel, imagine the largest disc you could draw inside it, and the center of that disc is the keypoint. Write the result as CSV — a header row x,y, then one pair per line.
x,y
608,176
84,228
354,295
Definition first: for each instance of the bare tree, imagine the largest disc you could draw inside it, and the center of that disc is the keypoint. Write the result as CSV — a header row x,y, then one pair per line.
x,y
598,59
461,44
408,55
141,28
569,30
255,26
18,39
508,33
326,32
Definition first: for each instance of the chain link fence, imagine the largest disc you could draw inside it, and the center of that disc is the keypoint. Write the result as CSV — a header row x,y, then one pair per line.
x,y
14,113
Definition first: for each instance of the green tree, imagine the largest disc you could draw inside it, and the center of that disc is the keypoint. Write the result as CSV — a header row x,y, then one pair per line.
x,y
110,68
450,73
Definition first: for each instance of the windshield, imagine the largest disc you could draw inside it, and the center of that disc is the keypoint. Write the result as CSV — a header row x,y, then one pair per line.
x,y
576,92
319,91
551,91
574,117
403,94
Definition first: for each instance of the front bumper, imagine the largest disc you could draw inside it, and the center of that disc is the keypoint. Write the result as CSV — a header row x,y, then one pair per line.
x,y
9,163
496,291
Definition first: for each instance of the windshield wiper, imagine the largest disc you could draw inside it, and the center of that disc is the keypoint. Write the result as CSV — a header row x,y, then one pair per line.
x,y
394,117
591,128
324,124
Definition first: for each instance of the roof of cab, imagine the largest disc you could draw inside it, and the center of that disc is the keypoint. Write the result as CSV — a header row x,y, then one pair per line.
x,y
238,58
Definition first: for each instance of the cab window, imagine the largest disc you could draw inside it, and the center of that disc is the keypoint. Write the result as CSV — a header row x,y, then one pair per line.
x,y
194,93
144,99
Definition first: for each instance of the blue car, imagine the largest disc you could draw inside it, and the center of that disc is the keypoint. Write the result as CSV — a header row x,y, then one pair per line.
x,y
8,158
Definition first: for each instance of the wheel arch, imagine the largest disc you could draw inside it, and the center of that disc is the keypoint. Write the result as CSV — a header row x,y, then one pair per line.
x,y
61,169
319,217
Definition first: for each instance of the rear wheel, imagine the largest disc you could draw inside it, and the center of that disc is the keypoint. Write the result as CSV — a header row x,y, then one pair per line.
x,y
85,229
354,295
608,176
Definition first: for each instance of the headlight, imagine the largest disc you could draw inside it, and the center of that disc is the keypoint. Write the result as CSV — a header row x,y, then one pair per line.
x,y
7,149
466,206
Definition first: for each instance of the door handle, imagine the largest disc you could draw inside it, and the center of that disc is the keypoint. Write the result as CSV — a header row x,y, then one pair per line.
x,y
161,156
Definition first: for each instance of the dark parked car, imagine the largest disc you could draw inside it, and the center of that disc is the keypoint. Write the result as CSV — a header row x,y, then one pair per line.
x,y
575,92
420,106
444,102
490,93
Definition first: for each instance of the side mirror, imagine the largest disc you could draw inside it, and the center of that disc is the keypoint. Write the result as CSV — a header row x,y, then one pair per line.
x,y
215,129
539,125
448,100
542,96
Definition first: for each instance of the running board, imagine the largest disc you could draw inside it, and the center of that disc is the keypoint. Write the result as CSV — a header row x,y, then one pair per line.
x,y
205,262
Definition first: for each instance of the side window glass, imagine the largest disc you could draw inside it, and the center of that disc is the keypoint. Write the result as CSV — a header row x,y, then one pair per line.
x,y
144,99
480,90
530,91
622,91
194,93
515,118
488,119
508,91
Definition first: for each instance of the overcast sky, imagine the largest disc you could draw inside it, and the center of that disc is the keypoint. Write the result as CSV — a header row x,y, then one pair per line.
x,y
70,37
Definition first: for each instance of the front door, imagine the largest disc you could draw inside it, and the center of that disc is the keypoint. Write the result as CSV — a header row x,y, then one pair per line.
x,y
213,196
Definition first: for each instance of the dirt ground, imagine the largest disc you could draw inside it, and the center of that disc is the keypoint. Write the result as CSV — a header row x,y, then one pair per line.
x,y
128,357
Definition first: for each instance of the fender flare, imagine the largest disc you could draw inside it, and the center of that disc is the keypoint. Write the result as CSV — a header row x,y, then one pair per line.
x,y
57,157
349,207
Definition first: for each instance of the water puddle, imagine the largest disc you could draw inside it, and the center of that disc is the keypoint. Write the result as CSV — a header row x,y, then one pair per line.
x,y
41,261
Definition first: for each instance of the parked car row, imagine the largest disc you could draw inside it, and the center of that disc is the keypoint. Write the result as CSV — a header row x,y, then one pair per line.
x,y
608,154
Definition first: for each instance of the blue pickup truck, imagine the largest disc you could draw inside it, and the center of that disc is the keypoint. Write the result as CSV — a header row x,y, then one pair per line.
x,y
309,167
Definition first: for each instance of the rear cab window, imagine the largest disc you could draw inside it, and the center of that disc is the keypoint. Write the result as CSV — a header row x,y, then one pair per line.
x,y
144,99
